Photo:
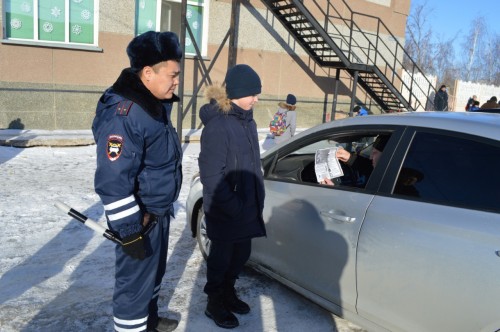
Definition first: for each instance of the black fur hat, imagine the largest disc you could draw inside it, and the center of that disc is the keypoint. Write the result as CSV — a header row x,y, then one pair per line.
x,y
153,47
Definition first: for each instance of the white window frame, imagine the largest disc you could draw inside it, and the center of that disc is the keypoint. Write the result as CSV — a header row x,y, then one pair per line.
x,y
204,36
55,44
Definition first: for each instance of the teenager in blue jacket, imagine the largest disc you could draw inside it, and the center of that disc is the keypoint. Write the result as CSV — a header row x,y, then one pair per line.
x,y
233,188
138,176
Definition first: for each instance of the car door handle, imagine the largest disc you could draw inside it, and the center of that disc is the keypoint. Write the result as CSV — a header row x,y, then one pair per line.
x,y
338,217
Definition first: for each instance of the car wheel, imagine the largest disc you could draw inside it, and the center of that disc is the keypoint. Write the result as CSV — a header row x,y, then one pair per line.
x,y
201,233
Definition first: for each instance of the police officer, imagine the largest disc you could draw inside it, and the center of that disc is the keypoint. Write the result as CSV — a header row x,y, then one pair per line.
x,y
139,175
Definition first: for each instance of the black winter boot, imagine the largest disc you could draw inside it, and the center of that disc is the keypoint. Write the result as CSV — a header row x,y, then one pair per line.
x,y
164,325
233,303
217,311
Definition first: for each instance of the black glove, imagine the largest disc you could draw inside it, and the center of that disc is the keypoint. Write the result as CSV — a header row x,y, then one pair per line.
x,y
133,245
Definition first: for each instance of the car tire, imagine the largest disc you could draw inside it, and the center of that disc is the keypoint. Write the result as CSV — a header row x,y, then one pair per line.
x,y
201,233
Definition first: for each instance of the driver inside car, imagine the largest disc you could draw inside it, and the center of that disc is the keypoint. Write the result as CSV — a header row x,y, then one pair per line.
x,y
363,165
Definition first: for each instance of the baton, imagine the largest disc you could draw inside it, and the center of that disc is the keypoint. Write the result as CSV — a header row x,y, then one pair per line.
x,y
89,223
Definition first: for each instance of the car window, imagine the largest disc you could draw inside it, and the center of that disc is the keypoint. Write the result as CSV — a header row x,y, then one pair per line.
x,y
452,170
299,165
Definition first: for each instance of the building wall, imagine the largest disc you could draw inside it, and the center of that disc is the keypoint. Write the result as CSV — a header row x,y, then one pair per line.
x,y
51,88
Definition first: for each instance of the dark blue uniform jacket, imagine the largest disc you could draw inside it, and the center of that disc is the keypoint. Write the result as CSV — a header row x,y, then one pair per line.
x,y
231,173
138,154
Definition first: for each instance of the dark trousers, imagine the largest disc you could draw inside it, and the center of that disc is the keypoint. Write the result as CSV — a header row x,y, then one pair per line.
x,y
137,282
224,264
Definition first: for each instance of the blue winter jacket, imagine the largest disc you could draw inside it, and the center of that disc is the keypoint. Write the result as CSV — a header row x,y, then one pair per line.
x,y
138,154
231,174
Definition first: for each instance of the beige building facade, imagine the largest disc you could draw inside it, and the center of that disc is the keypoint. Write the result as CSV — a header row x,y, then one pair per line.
x,y
55,84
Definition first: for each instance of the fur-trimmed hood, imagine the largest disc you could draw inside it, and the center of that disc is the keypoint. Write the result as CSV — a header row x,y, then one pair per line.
x,y
218,102
219,95
130,86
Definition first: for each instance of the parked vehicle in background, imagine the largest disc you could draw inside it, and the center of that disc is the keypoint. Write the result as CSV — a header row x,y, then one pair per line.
x,y
373,250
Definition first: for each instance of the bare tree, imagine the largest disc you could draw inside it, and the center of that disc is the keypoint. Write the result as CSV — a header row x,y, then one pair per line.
x,y
472,45
444,56
418,43
489,62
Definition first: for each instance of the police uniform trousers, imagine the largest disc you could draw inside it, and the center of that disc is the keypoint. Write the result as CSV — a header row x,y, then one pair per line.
x,y
137,282
224,263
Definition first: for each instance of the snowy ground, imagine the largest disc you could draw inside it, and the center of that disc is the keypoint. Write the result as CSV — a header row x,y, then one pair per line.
x,y
57,275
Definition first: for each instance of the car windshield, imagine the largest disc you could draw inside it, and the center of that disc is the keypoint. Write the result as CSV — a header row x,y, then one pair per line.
x,y
312,148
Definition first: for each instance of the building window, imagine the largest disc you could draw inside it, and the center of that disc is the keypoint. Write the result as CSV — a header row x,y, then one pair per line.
x,y
52,21
165,15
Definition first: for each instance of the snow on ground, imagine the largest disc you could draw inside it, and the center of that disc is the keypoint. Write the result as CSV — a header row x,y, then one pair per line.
x,y
57,275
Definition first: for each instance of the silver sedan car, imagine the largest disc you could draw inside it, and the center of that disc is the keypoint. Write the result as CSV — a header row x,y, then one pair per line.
x,y
410,242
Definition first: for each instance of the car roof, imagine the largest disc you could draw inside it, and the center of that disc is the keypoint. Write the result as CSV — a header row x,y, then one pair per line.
x,y
474,123
482,124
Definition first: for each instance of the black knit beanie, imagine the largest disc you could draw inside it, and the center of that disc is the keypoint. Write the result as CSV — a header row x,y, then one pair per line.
x,y
153,47
242,81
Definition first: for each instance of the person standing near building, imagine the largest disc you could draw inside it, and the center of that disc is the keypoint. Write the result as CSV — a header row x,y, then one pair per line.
x,y
475,106
288,109
491,103
139,175
233,188
470,102
441,99
359,110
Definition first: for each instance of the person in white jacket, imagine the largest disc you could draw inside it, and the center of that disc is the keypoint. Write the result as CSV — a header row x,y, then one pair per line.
x,y
288,107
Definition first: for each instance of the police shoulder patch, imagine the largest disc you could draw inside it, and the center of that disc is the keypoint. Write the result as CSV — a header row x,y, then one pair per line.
x,y
124,107
114,147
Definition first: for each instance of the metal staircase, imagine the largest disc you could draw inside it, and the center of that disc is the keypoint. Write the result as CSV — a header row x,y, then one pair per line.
x,y
372,56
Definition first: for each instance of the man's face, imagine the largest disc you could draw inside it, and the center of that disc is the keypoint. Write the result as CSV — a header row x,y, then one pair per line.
x,y
162,79
375,156
246,103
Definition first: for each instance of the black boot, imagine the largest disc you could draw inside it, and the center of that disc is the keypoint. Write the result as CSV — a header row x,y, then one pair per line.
x,y
164,325
217,311
233,303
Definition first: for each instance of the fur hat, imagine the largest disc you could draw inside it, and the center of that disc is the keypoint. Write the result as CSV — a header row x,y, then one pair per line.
x,y
153,47
242,81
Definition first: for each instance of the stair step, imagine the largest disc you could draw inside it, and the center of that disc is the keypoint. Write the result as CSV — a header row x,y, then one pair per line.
x,y
284,7
321,48
298,21
309,28
310,35
288,15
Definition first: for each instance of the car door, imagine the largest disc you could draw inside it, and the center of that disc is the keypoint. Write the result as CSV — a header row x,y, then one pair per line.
x,y
312,230
428,256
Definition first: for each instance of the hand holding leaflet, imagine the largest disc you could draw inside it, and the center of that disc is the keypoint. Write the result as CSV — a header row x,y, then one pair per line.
x,y
327,165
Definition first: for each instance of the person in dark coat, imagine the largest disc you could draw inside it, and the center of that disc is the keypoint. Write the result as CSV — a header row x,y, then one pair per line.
x,y
490,104
139,175
233,188
441,99
475,106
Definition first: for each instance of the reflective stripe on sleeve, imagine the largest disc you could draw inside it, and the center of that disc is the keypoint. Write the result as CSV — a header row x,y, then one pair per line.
x,y
121,202
123,214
